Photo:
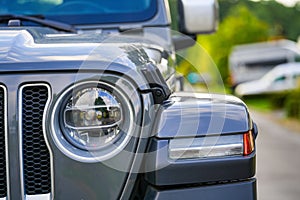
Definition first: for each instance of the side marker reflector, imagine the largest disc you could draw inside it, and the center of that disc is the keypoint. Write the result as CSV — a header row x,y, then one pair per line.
x,y
248,143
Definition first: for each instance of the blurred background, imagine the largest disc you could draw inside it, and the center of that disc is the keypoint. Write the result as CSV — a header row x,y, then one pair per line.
x,y
255,55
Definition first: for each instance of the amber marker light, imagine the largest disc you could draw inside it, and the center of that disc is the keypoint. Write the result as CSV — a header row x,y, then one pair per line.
x,y
248,143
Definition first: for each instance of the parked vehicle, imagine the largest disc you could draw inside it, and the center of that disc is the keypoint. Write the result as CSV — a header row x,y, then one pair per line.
x,y
88,108
283,77
250,62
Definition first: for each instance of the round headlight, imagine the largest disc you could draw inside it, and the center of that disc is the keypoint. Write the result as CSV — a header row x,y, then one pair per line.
x,y
92,118
93,121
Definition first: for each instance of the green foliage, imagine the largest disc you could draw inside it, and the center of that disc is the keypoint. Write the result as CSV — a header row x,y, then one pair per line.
x,y
241,21
283,21
174,13
278,99
288,101
259,102
292,104
239,27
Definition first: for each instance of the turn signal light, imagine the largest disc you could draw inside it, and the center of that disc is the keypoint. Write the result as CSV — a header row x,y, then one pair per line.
x,y
206,147
248,143
212,146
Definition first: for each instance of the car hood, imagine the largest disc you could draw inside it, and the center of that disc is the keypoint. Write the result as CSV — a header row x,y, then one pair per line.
x,y
36,50
32,46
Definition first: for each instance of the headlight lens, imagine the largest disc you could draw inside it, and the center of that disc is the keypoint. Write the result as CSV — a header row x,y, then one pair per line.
x,y
92,118
94,121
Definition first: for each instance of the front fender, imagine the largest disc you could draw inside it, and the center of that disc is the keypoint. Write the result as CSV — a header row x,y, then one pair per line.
x,y
197,114
188,115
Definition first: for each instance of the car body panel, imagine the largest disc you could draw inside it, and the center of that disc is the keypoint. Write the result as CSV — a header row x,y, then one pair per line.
x,y
137,60
170,172
240,190
67,173
197,114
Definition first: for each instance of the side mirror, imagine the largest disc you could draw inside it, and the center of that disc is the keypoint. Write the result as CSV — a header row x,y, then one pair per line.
x,y
198,16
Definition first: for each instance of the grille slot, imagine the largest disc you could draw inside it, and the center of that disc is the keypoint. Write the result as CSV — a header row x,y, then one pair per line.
x,y
36,157
3,183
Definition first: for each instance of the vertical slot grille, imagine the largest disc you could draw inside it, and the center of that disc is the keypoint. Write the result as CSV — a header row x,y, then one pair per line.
x,y
3,184
36,157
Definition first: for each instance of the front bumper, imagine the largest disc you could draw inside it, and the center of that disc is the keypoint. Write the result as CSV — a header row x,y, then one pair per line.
x,y
245,190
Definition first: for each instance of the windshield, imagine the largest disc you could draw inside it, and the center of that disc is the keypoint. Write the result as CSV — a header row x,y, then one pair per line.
x,y
78,12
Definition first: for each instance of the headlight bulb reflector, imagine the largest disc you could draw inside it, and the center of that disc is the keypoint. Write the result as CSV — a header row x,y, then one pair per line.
x,y
92,118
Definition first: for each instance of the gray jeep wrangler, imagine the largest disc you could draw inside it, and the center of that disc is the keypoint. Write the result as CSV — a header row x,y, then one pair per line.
x,y
89,109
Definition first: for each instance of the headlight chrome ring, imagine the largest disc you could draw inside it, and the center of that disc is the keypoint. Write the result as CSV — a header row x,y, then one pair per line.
x,y
92,121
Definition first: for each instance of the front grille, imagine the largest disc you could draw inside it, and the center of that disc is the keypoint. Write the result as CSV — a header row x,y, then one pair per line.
x,y
3,184
36,157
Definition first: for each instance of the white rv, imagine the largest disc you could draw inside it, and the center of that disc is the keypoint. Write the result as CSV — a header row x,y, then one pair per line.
x,y
252,61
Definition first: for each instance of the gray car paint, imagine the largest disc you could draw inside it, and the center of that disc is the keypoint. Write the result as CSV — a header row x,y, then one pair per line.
x,y
196,115
71,178
41,55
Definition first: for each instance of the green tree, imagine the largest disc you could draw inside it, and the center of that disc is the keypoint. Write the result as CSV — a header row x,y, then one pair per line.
x,y
239,27
283,21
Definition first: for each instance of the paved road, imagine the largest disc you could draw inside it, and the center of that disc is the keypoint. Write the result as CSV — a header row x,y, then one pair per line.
x,y
278,160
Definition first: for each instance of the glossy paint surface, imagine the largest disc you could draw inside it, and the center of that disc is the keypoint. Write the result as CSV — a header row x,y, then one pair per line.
x,y
38,55
194,115
71,178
